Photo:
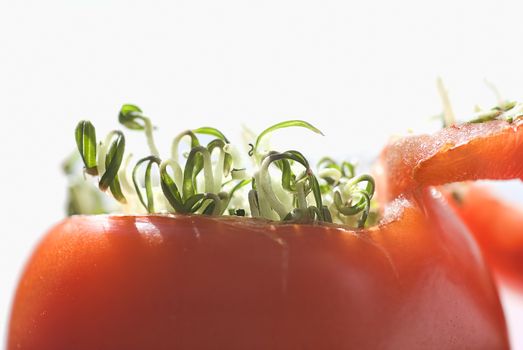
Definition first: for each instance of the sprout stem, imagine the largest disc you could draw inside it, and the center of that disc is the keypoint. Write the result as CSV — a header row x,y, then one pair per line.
x,y
207,169
264,182
177,171
149,136
102,152
448,115
176,143
300,194
123,174
218,171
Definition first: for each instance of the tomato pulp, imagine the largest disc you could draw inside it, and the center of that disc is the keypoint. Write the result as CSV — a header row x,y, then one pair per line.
x,y
194,282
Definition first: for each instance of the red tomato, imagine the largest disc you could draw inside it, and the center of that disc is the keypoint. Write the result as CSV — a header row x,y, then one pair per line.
x,y
489,150
497,227
195,282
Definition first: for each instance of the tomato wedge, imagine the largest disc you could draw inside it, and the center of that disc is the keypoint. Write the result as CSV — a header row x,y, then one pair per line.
x,y
195,282
497,227
489,150
471,151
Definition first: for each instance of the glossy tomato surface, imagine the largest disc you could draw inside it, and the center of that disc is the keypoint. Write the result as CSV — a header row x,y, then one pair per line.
x,y
498,227
417,281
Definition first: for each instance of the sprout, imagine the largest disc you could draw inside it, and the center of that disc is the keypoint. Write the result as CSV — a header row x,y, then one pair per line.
x,y
211,178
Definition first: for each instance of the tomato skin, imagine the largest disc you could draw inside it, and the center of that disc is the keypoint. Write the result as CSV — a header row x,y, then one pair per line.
x,y
163,282
497,226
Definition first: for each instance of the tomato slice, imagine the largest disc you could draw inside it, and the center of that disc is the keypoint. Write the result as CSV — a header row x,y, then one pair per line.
x,y
490,150
194,282
472,151
498,229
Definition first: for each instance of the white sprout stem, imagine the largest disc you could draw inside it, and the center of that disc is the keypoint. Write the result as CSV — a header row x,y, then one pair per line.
x,y
264,182
346,190
150,138
207,170
263,202
123,174
177,171
334,211
282,195
176,143
133,205
448,114
218,171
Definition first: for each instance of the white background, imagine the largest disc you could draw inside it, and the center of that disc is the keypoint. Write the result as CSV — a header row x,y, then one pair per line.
x,y
359,70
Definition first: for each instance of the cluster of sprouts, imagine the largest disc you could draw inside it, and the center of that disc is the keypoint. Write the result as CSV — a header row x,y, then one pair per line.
x,y
210,179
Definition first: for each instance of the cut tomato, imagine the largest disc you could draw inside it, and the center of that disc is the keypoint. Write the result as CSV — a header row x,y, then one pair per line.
x,y
195,282
472,151
489,150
